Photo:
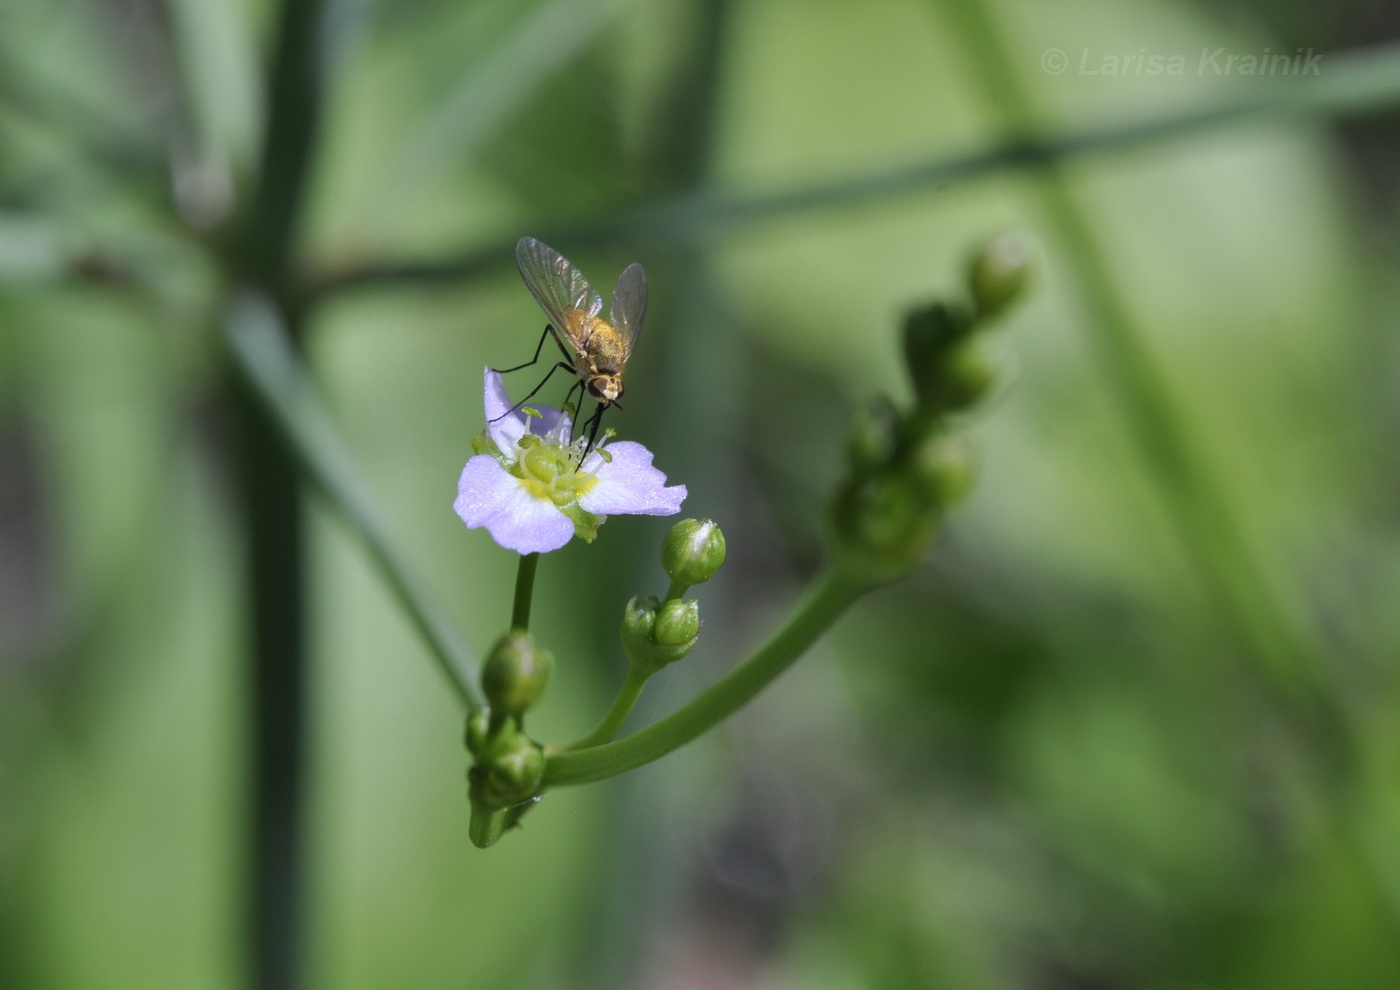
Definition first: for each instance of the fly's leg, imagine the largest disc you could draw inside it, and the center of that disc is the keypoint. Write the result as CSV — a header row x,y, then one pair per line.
x,y
567,367
593,423
573,415
538,347
549,331
566,364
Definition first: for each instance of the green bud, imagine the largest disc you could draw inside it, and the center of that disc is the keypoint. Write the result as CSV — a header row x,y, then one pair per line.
x,y
654,635
693,551
511,771
639,617
677,623
969,374
478,728
942,468
873,433
998,274
516,673
492,815
639,627
884,522
929,334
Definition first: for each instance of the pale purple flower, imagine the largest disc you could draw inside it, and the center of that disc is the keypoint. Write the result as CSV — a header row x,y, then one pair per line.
x,y
527,487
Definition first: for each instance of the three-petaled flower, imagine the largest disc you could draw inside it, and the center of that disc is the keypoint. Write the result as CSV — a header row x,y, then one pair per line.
x,y
533,488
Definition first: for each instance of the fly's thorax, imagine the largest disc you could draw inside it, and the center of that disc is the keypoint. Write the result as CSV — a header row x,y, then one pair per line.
x,y
599,346
606,353
601,354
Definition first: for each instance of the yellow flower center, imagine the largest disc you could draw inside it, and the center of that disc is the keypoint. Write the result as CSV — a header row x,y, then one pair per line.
x,y
550,471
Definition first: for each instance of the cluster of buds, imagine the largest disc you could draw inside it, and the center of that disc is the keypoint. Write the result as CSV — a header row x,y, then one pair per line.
x,y
657,632
907,467
508,766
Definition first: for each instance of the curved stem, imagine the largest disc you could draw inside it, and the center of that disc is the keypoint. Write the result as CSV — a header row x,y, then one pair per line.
x,y
828,597
524,591
627,696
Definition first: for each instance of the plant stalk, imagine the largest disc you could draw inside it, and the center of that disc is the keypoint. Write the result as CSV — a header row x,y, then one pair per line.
x,y
524,591
617,713
826,600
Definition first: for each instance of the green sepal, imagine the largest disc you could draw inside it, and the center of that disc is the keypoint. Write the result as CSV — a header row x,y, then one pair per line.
x,y
585,523
483,444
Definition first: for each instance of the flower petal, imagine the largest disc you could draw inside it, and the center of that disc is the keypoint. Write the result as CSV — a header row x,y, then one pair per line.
x,y
629,484
506,427
489,495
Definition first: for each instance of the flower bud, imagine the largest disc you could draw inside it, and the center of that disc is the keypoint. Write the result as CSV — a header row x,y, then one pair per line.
x,y
883,522
929,334
969,374
478,728
998,274
942,468
693,551
677,623
514,769
654,635
516,673
873,434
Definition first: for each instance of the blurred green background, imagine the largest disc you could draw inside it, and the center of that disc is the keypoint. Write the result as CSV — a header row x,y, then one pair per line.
x,y
1065,753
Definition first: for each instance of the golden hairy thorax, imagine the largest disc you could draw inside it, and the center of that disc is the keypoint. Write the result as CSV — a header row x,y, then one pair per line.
x,y
602,356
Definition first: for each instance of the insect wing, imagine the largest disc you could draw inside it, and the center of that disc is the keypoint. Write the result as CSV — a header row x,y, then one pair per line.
x,y
629,305
555,283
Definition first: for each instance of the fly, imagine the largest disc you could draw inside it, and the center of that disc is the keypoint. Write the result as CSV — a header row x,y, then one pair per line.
x,y
595,350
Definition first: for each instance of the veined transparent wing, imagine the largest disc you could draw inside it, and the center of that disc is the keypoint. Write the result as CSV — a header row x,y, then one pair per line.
x,y
629,305
555,283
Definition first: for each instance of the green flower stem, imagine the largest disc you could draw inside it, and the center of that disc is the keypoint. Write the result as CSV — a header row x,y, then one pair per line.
x,y
828,597
1354,84
677,590
627,696
264,359
524,591
1208,524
